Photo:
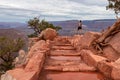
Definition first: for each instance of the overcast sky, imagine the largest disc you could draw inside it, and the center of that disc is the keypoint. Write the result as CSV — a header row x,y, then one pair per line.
x,y
54,10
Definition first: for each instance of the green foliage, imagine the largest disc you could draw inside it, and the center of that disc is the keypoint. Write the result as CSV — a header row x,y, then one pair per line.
x,y
114,5
39,26
32,35
8,49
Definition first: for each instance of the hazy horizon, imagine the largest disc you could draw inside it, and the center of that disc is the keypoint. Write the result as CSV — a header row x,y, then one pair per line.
x,y
55,10
54,20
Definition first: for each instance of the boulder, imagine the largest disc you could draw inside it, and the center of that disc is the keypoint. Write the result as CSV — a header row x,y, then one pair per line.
x,y
88,38
48,34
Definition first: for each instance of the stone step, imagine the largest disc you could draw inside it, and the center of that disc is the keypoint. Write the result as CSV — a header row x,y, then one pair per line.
x,y
64,53
68,66
53,62
65,58
62,44
63,48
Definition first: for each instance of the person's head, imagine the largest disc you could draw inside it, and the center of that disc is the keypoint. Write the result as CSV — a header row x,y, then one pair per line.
x,y
80,21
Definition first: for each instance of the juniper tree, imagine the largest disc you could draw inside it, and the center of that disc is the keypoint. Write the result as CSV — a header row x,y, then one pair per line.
x,y
114,5
40,25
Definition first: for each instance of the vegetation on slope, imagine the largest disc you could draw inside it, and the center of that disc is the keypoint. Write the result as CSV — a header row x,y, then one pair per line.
x,y
8,50
39,25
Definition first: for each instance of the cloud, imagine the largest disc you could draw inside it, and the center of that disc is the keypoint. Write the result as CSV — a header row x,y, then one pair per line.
x,y
92,2
53,10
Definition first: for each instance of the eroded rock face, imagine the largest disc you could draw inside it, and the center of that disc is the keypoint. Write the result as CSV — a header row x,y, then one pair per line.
x,y
48,34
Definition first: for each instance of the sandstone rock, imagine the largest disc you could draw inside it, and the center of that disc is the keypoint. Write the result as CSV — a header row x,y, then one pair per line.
x,y
116,71
110,53
90,58
19,74
6,76
81,67
36,62
48,34
88,38
20,61
115,41
64,53
62,40
39,46
117,61
32,41
36,57
63,48
105,68
75,41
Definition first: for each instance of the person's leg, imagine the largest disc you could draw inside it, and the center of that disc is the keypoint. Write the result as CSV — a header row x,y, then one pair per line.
x,y
80,31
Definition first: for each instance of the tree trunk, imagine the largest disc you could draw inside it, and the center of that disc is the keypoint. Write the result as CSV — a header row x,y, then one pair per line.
x,y
99,43
114,27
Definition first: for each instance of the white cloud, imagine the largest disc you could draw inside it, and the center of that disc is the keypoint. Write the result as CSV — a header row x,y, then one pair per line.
x,y
55,9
